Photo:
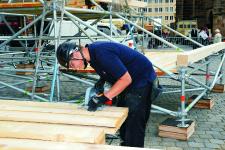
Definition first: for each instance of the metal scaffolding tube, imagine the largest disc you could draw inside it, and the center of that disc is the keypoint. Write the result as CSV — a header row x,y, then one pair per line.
x,y
22,82
38,51
23,29
222,71
92,28
200,83
23,91
195,101
217,72
78,79
182,98
186,90
172,113
92,40
14,53
25,70
13,14
55,72
10,28
146,31
17,76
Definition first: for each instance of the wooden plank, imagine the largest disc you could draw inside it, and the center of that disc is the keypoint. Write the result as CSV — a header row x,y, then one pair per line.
x,y
58,118
51,132
61,105
219,88
115,115
165,60
168,128
170,125
203,103
189,57
174,135
20,5
19,144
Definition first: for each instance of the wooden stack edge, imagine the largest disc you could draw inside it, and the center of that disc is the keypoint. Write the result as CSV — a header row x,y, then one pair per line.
x,y
75,3
202,103
219,88
24,66
51,132
20,144
110,118
20,5
169,129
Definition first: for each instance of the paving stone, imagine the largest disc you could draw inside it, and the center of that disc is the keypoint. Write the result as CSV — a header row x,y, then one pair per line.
x,y
199,140
205,136
211,145
205,148
182,144
195,144
174,148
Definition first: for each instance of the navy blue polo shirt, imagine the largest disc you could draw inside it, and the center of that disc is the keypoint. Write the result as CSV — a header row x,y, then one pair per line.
x,y
111,60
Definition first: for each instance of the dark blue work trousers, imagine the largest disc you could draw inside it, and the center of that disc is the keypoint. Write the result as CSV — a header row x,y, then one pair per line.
x,y
132,132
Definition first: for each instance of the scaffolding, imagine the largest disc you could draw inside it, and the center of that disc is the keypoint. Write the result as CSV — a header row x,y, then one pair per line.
x,y
46,62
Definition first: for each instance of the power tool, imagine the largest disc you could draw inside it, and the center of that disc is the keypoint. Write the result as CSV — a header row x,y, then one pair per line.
x,y
90,92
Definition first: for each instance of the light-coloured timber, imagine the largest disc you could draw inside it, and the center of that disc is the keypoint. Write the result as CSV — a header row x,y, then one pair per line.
x,y
165,60
186,58
58,118
109,118
20,144
61,105
51,132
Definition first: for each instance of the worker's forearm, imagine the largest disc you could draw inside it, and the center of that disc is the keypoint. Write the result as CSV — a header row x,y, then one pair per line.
x,y
119,86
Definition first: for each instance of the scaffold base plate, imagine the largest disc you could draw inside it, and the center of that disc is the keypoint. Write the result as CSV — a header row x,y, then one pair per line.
x,y
169,129
219,88
203,103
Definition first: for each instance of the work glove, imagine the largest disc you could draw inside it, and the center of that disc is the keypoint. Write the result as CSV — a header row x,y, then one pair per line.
x,y
99,86
96,101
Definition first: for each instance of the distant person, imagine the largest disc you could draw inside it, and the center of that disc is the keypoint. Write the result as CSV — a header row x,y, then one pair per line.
x,y
217,36
203,36
194,36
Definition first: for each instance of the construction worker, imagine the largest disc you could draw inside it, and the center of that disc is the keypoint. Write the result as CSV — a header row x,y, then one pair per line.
x,y
131,75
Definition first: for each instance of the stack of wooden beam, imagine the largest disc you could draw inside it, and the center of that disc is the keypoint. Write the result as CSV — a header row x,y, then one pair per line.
x,y
57,122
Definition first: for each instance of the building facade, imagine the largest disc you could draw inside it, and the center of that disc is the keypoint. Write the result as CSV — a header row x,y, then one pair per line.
x,y
208,13
164,9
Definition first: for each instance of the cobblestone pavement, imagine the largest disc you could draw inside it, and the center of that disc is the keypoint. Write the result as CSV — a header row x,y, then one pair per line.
x,y
210,124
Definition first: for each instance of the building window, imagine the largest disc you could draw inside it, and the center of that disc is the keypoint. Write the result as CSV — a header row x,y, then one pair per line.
x,y
166,18
166,9
156,10
171,1
160,9
144,9
171,9
160,1
149,9
167,1
156,1
171,17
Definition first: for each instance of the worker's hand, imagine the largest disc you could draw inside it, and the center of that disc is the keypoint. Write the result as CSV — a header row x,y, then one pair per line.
x,y
99,86
96,101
